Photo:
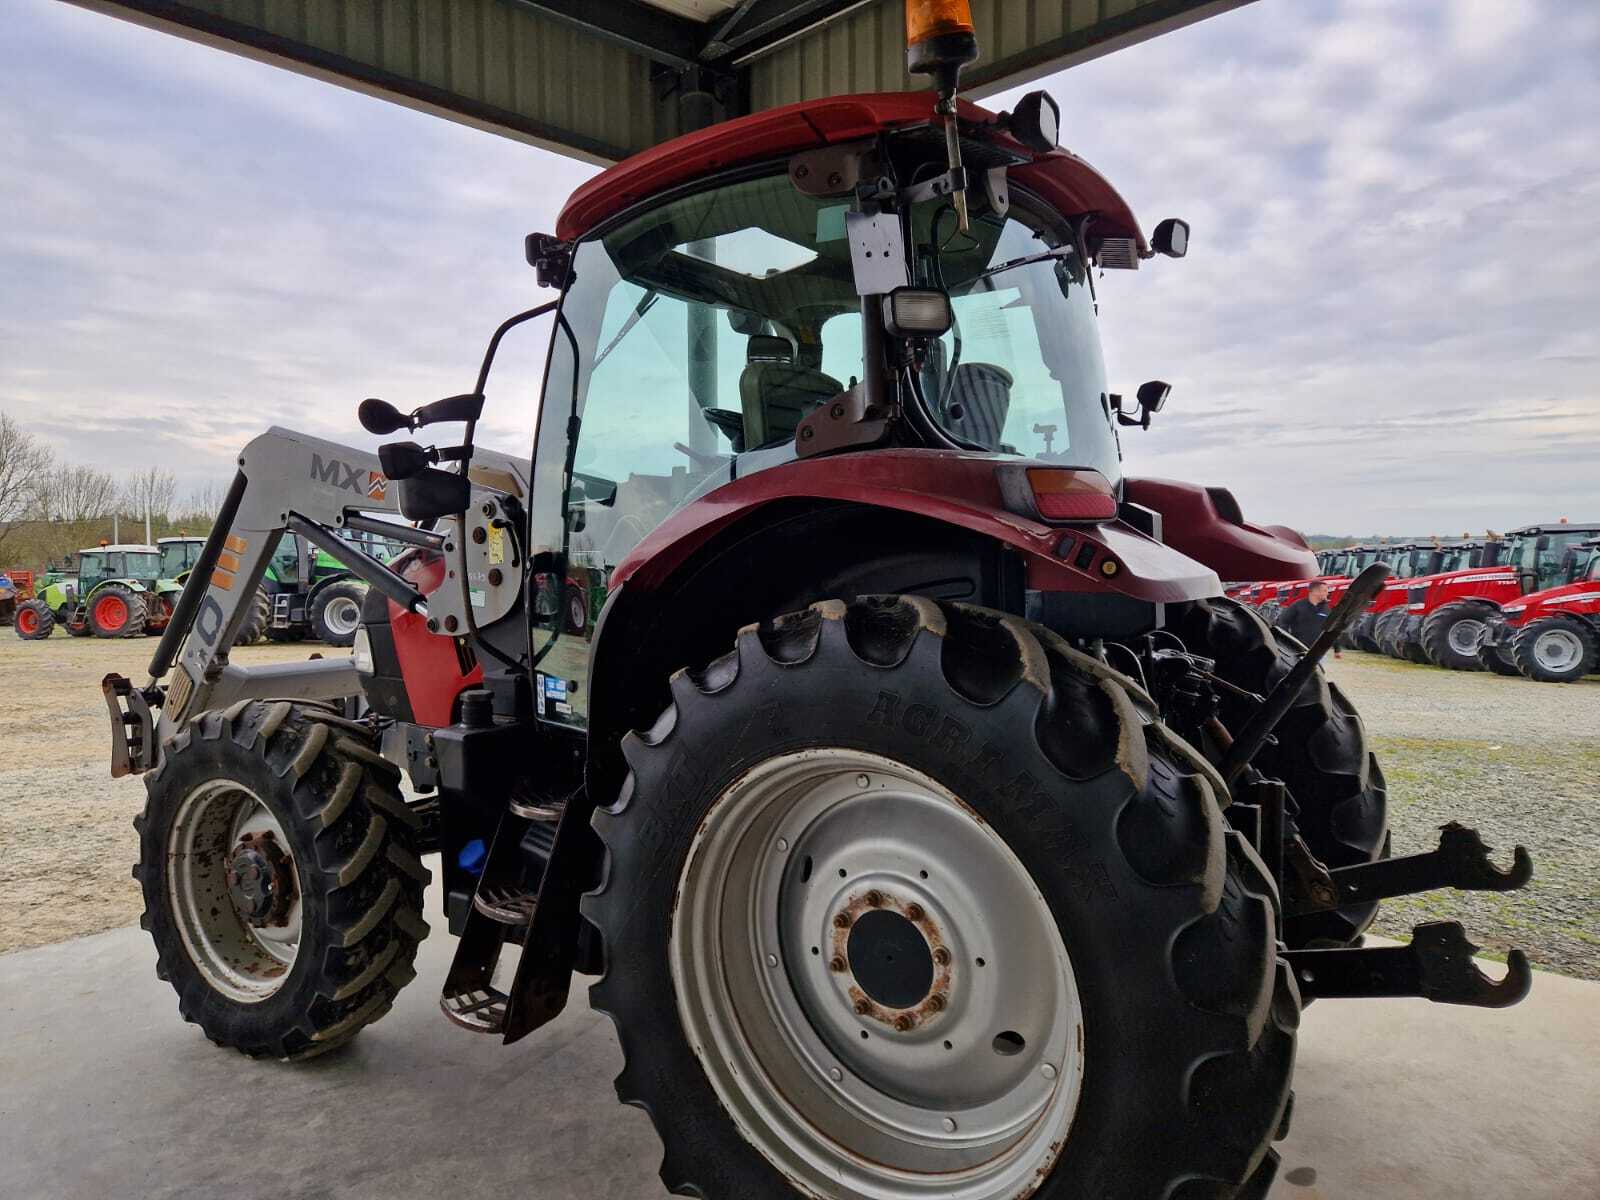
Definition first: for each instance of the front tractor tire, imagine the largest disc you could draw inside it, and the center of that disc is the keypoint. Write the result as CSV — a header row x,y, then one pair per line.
x,y
336,613
907,900
1558,649
116,611
1453,633
1319,750
33,621
281,880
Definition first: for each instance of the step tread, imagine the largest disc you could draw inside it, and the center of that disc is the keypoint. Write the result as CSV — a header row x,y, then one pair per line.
x,y
482,1010
504,903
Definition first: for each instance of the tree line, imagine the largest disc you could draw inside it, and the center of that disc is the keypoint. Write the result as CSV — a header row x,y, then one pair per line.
x,y
49,509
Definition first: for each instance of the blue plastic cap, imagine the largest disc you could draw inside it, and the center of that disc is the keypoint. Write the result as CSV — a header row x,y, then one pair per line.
x,y
471,857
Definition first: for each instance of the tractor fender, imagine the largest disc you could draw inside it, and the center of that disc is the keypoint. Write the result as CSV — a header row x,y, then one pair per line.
x,y
1207,524
957,489
133,585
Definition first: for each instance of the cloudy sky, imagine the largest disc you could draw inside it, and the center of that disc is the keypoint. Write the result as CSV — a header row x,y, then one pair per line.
x,y
1389,320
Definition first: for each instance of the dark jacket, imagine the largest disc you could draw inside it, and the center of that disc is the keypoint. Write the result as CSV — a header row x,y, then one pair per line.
x,y
1303,620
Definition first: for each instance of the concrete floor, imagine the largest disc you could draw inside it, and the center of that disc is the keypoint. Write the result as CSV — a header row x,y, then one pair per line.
x,y
105,1092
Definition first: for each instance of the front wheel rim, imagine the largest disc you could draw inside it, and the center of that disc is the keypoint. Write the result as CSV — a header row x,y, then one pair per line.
x,y
1557,650
342,615
874,984
246,960
1465,636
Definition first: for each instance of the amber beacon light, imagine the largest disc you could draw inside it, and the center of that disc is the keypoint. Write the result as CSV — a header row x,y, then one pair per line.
x,y
940,40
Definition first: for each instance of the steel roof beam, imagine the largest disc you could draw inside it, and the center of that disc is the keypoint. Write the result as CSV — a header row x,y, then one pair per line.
x,y
645,30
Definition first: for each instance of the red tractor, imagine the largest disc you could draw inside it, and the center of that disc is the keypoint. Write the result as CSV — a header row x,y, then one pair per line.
x,y
1552,635
1440,618
931,823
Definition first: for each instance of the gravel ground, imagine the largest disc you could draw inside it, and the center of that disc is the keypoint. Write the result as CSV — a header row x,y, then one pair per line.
x,y
1518,760
66,833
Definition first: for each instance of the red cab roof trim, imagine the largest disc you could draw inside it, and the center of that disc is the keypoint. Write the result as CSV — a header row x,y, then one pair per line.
x,y
1062,179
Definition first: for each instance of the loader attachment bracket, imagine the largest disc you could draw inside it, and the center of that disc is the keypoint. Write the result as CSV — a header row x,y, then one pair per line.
x,y
1462,862
1437,965
132,726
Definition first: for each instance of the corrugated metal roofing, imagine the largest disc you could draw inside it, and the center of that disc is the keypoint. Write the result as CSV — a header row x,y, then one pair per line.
x,y
599,80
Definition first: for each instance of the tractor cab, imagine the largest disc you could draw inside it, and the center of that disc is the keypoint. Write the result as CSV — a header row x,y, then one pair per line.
x,y
178,555
1548,556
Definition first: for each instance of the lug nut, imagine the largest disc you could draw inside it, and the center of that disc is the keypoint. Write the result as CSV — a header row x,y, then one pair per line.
x,y
941,956
903,1022
874,898
914,912
842,921
936,1002
837,964
863,1007
480,535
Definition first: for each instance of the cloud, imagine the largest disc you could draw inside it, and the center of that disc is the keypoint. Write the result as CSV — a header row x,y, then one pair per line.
x,y
1388,315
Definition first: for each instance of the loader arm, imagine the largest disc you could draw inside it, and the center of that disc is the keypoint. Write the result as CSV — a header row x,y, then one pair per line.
x,y
287,482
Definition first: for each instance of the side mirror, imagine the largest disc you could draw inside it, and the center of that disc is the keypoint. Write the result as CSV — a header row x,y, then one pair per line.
x,y
381,417
432,493
1153,395
1171,238
402,460
1036,122
1151,398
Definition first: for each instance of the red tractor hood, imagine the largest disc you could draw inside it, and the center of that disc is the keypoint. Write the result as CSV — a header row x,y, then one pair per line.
x,y
1582,597
1207,525
1063,179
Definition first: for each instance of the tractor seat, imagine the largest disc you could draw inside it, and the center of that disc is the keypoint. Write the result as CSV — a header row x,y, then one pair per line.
x,y
776,393
978,402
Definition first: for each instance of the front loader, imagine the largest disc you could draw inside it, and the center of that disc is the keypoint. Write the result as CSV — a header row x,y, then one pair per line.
x,y
928,820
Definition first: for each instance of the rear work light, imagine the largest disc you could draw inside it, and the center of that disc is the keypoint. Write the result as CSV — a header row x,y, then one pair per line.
x,y
1058,493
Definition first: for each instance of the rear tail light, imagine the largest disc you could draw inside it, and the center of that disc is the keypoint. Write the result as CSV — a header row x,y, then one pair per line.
x,y
1068,494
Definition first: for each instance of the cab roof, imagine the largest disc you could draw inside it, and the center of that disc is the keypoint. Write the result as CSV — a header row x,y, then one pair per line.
x,y
1061,178
120,547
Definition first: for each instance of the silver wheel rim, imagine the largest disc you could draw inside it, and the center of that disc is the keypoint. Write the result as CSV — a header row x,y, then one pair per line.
x,y
968,1093
1465,636
1557,650
341,615
246,962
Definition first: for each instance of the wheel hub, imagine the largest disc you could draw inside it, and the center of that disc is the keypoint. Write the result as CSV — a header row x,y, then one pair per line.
x,y
260,879
890,958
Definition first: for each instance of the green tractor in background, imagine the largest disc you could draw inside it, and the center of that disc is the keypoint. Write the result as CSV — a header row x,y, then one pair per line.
x,y
118,591
307,593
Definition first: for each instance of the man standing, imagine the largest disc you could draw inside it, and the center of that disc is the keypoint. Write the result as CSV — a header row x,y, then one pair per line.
x,y
1304,618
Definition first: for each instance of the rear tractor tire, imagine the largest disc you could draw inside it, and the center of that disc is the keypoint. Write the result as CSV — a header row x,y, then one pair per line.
x,y
257,618
1558,649
34,621
1320,751
336,613
906,900
281,880
1453,633
116,611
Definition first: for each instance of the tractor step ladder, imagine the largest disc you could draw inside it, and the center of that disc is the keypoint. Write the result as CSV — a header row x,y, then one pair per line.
x,y
502,910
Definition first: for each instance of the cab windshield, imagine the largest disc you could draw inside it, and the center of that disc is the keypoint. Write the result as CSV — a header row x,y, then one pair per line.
x,y
1555,561
697,336
139,564
178,557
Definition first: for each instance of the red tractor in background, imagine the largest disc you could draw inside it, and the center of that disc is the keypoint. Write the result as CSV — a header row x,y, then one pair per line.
x,y
1551,634
930,822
